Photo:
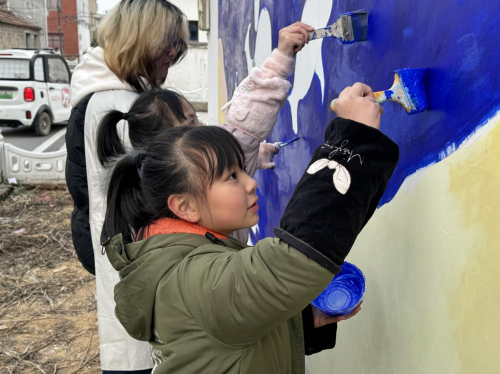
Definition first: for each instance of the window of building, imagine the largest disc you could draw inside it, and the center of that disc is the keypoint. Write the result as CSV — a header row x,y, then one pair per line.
x,y
57,71
52,4
53,39
35,41
28,40
193,31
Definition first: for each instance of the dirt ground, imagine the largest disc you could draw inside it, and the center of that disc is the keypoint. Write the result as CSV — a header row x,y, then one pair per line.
x,y
48,320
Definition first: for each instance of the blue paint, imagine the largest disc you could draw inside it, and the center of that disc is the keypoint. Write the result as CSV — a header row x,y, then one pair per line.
x,y
407,32
388,94
459,49
414,81
344,293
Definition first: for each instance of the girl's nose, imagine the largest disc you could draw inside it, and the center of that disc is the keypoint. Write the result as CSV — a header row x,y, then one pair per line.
x,y
251,184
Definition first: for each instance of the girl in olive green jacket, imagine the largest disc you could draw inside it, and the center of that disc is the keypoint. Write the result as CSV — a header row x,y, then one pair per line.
x,y
206,302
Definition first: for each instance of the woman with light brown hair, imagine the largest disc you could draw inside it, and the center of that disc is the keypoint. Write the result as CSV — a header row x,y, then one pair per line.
x,y
136,43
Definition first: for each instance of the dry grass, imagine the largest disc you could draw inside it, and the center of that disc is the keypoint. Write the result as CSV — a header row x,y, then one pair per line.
x,y
48,320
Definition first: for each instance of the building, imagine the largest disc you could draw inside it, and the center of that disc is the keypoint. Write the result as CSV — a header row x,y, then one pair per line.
x,y
194,86
16,32
23,24
68,25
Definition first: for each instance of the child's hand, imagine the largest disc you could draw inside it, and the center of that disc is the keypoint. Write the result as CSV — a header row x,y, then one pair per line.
x,y
321,319
266,155
358,103
293,38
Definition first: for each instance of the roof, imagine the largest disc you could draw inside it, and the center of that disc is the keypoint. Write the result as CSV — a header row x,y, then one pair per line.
x,y
15,20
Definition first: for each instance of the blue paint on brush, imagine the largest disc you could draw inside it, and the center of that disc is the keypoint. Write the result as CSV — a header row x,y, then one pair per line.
x,y
414,82
288,142
359,25
344,293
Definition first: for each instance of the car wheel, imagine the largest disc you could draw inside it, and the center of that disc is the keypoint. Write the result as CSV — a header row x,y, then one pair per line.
x,y
44,124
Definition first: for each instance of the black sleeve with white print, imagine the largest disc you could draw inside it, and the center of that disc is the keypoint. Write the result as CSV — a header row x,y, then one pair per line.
x,y
339,192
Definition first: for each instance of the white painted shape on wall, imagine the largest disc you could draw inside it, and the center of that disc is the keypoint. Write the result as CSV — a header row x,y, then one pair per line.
x,y
310,60
263,40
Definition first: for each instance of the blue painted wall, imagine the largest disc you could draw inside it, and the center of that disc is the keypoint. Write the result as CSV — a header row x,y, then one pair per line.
x,y
457,40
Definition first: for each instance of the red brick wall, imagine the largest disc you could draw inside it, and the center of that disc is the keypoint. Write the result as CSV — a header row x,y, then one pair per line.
x,y
69,26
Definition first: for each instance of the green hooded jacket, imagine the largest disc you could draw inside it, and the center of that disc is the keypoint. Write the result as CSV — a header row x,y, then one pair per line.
x,y
219,307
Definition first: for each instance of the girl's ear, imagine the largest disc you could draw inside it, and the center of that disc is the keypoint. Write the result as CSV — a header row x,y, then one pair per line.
x,y
184,208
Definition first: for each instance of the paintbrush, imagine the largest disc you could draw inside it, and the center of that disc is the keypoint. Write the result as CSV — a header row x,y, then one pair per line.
x,y
283,144
409,90
349,28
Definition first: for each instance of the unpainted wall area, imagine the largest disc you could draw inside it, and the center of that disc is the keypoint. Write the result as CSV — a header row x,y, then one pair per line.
x,y
429,251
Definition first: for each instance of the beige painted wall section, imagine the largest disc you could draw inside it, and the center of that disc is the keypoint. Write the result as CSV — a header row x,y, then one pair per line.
x,y
432,262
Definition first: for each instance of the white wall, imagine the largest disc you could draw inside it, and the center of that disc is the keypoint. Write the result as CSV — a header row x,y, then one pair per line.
x,y
34,11
82,7
213,61
190,9
190,76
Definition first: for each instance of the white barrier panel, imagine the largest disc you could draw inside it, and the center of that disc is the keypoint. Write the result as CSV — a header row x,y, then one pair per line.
x,y
34,167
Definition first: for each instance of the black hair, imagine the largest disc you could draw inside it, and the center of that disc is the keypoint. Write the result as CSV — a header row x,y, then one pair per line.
x,y
180,160
152,112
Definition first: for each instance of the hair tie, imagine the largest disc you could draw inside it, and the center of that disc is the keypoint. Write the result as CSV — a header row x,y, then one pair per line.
x,y
124,116
138,160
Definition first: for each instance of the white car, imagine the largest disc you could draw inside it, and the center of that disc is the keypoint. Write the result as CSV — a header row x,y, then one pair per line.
x,y
34,89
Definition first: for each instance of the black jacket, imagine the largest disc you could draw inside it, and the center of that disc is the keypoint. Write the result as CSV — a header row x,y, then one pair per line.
x,y
76,179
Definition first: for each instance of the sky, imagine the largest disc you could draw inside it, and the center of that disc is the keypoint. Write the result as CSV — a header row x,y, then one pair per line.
x,y
104,5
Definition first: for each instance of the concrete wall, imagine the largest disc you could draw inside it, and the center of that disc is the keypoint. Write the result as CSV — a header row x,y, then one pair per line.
x,y
15,36
190,9
430,253
35,12
190,77
84,22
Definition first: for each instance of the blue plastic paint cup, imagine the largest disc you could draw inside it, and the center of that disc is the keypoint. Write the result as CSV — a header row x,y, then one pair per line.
x,y
344,293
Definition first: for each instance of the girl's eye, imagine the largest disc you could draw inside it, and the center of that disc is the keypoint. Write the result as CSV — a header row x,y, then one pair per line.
x,y
233,176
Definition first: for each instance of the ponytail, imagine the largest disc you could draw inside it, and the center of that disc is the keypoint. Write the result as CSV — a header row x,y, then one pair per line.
x,y
126,212
109,145
152,112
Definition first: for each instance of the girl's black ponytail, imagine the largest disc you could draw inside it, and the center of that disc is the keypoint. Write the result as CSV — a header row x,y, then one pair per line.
x,y
126,212
109,145
152,112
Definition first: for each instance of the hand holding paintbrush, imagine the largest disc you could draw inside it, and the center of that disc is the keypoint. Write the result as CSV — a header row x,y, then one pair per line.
x,y
358,103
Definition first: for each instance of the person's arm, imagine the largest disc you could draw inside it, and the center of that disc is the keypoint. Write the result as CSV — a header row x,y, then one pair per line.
x,y
251,113
238,297
344,181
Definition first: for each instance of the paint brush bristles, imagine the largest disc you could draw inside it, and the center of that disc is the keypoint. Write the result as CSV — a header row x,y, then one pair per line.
x,y
409,90
349,28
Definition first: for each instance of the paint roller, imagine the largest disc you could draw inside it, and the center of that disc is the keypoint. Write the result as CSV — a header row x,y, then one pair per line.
x,y
349,28
409,90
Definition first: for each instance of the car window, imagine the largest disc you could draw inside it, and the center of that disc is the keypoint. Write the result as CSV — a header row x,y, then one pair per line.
x,y
11,68
38,67
57,71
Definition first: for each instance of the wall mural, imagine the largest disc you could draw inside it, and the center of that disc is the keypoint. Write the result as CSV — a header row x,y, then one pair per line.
x,y
458,49
437,212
